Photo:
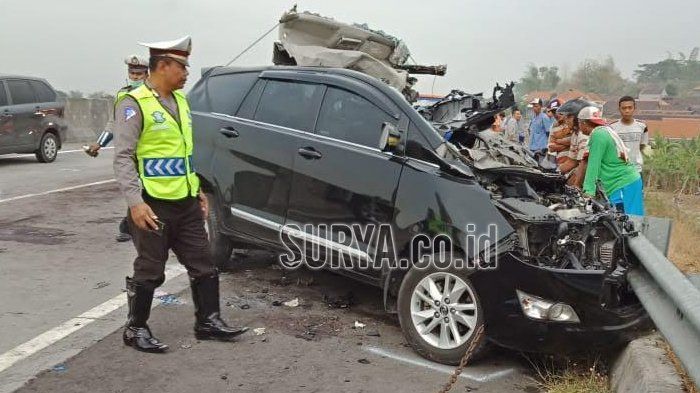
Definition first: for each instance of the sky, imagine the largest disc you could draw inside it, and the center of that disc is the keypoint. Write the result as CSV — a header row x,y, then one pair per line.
x,y
81,44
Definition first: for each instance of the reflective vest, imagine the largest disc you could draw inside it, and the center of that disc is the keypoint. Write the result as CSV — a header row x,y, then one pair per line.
x,y
123,92
164,149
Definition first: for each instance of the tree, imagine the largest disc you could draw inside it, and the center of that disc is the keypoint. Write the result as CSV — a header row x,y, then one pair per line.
x,y
671,90
101,94
75,94
600,77
682,72
538,78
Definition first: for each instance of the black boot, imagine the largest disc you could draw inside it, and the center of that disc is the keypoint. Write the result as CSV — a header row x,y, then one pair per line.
x,y
136,332
209,325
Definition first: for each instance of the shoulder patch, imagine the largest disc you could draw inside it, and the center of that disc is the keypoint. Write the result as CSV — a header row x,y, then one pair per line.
x,y
129,112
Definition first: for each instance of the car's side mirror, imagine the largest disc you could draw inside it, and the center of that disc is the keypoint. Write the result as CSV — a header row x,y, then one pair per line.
x,y
389,138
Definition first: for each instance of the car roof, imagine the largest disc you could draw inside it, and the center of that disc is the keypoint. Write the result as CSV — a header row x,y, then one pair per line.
x,y
372,81
220,70
14,76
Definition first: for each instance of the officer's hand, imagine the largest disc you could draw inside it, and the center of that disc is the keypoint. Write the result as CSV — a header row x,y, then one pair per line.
x,y
93,150
143,217
204,205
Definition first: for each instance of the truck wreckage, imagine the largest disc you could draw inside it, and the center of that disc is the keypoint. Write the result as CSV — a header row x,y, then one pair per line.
x,y
307,39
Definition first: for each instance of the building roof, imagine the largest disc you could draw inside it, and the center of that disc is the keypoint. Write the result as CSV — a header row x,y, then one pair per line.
x,y
674,128
544,95
566,95
652,89
574,93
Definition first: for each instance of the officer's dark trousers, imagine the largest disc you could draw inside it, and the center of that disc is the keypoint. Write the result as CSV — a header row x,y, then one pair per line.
x,y
124,225
183,233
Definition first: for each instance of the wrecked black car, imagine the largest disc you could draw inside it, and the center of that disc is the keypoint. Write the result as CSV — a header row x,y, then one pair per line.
x,y
334,168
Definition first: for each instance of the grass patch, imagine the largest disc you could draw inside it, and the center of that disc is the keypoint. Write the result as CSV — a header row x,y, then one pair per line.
x,y
588,375
684,210
688,384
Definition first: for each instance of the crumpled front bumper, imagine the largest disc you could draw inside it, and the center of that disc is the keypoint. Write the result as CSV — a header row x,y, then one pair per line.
x,y
599,326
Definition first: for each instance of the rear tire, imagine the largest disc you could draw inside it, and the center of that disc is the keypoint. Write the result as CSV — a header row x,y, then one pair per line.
x,y
220,245
48,148
413,310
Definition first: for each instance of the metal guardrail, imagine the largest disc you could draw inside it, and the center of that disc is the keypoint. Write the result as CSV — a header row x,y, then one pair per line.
x,y
669,296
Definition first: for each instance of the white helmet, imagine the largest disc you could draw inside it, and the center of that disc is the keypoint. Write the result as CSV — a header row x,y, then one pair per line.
x,y
136,62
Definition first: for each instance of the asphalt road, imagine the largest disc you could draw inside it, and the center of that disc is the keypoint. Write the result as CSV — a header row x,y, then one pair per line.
x,y
62,279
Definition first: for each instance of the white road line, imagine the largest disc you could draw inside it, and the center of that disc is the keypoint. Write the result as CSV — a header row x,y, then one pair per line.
x,y
61,331
80,150
57,190
59,152
474,375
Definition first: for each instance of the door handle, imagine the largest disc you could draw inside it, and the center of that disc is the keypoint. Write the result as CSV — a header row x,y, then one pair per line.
x,y
39,114
310,153
229,132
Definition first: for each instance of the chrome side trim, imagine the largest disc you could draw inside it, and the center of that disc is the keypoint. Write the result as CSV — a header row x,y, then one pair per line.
x,y
322,241
293,130
335,246
256,219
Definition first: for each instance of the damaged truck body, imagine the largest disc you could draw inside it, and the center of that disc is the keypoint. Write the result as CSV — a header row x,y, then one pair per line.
x,y
330,139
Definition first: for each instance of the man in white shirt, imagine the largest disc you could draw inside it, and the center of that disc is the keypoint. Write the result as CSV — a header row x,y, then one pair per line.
x,y
514,127
632,131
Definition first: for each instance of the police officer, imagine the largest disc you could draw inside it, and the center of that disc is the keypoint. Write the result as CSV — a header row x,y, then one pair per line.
x,y
138,71
167,208
137,68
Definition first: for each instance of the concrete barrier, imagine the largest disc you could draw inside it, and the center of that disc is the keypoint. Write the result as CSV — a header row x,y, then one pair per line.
x,y
86,118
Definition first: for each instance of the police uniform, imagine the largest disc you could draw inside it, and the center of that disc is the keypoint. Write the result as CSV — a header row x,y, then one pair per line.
x,y
153,164
134,63
138,64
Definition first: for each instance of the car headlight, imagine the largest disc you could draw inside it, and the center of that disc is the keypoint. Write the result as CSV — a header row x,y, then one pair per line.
x,y
537,308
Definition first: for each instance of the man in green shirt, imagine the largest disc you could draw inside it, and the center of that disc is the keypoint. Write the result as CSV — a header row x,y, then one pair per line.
x,y
608,161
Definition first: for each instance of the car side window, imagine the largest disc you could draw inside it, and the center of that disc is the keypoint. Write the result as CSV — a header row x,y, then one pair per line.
x,y
3,95
289,104
250,103
226,92
43,92
20,92
347,116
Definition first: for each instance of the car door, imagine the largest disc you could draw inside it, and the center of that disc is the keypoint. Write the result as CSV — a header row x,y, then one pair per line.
x,y
6,122
26,118
254,159
342,177
47,109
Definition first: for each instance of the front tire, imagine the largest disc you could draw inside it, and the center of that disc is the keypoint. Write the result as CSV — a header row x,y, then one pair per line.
x,y
220,245
48,148
440,312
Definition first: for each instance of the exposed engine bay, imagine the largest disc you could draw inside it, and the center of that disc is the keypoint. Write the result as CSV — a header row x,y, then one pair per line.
x,y
557,226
